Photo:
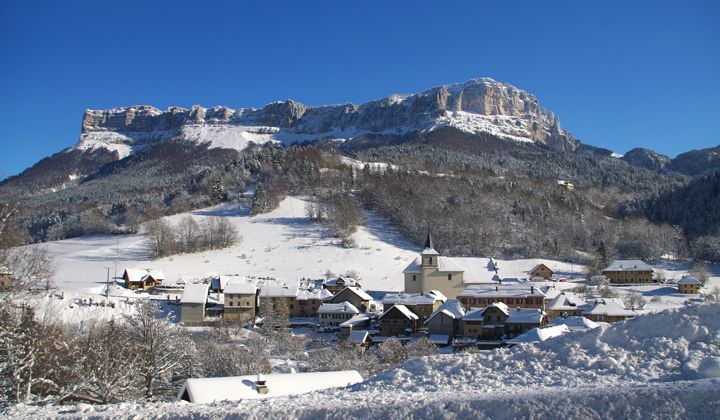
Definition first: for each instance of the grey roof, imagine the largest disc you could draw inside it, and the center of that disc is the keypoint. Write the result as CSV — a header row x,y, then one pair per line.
x,y
413,298
500,291
451,308
628,265
524,316
689,280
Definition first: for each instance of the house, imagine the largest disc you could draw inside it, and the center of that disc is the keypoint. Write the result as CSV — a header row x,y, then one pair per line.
x,y
566,184
538,335
308,301
512,296
628,271
485,323
277,296
565,304
689,285
335,285
446,319
240,301
237,388
142,278
607,310
421,304
520,320
193,300
398,320
334,314
354,295
361,338
576,323
358,321
541,271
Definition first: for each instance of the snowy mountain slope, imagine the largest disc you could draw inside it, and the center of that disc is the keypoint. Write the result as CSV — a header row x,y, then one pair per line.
x,y
283,244
665,365
476,106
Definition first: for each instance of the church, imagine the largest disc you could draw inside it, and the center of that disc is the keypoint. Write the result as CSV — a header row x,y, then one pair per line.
x,y
430,271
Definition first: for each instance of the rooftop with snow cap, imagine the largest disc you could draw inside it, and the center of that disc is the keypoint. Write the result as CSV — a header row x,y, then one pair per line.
x,y
338,308
688,279
195,293
501,291
628,265
237,388
452,308
538,335
403,310
524,316
358,291
608,307
240,288
576,323
413,298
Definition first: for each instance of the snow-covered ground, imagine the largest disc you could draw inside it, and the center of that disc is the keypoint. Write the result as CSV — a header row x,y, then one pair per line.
x,y
664,365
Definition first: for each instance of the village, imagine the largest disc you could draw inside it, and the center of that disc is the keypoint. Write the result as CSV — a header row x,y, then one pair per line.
x,y
456,303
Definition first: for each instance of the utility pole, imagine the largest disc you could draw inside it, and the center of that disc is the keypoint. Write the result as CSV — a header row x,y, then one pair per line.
x,y
107,283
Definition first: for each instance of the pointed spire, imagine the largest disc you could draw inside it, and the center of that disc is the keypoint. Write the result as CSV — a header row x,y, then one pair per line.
x,y
429,242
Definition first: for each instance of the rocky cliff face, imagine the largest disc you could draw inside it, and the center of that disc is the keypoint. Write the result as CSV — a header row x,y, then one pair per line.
x,y
646,158
479,106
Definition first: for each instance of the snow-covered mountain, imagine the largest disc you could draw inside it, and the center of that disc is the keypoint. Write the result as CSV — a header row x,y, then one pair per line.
x,y
478,106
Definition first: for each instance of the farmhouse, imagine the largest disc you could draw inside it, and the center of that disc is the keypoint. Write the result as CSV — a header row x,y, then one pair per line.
x,y
421,304
334,314
237,388
485,323
240,301
446,319
565,304
629,271
277,296
607,310
308,301
335,285
520,320
541,271
354,295
398,320
142,278
689,285
193,300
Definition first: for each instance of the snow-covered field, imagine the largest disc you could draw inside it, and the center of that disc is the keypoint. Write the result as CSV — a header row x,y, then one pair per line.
x,y
664,365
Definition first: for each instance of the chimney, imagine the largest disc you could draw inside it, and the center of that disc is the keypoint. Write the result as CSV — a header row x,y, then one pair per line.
x,y
532,290
260,384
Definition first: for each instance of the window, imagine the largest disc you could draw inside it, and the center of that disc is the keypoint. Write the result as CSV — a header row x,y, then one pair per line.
x,y
429,260
230,303
414,277
450,277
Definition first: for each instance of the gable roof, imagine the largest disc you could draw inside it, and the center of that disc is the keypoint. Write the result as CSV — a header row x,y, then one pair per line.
x,y
236,388
407,313
609,307
355,290
688,279
628,265
524,316
474,315
347,281
541,265
413,298
313,294
195,293
338,308
502,291
238,288
566,301
278,291
355,320
452,308
358,337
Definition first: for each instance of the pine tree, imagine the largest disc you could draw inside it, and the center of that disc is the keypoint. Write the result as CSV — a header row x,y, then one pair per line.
x,y
218,193
260,203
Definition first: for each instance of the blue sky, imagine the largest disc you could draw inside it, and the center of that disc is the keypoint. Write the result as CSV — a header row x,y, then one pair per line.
x,y
618,75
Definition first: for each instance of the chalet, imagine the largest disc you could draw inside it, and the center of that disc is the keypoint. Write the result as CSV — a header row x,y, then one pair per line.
x,y
237,388
359,321
193,300
565,304
240,301
421,304
398,320
607,310
308,301
566,184
689,285
361,338
520,320
142,278
446,319
337,284
354,295
541,271
512,296
628,271
485,323
334,314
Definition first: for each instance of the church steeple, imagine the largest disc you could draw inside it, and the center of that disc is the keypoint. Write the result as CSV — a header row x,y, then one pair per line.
x,y
429,254
429,242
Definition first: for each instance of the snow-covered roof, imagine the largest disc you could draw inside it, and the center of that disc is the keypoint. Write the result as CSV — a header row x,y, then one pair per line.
x,y
446,264
356,290
403,310
413,298
609,307
576,323
501,291
524,316
346,281
238,288
452,308
538,266
537,335
688,279
628,265
313,294
136,275
566,301
278,291
356,320
195,293
338,308
474,315
236,388
358,337
429,251
439,338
